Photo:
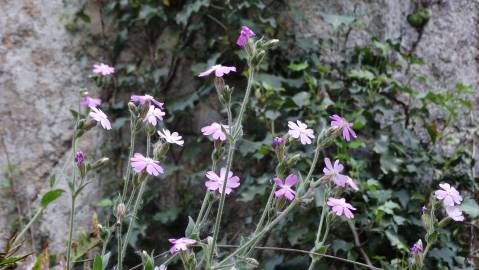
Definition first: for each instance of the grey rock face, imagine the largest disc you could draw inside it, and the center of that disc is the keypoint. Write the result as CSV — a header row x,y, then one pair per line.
x,y
39,82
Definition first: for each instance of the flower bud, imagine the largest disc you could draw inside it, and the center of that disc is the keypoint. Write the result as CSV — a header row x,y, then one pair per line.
x,y
268,44
220,86
144,109
160,150
120,212
132,108
100,163
79,160
89,125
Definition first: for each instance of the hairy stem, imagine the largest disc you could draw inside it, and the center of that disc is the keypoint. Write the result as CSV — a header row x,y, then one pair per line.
x,y
29,224
231,150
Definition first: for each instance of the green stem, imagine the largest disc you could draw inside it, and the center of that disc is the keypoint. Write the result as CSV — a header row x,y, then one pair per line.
x,y
118,236
130,154
266,229
320,227
70,234
29,224
135,208
231,150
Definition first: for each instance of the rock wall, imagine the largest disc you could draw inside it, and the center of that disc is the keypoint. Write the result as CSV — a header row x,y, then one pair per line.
x,y
40,75
39,82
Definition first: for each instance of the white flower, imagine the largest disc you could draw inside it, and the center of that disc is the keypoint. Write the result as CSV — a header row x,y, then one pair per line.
x,y
454,213
171,137
300,131
153,114
101,117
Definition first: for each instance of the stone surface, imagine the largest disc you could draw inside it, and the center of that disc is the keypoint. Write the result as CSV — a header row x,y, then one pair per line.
x,y
39,82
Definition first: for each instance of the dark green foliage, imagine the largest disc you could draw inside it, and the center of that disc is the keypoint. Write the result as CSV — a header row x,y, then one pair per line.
x,y
398,160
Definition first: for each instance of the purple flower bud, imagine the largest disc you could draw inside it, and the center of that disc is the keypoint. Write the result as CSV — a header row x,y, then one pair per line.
x,y
79,158
424,210
277,141
417,247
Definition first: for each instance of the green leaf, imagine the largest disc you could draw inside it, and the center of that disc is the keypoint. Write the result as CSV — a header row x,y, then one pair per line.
x,y
105,203
168,215
190,227
302,98
396,240
361,74
299,66
52,180
97,263
341,245
183,16
337,20
50,197
470,207
105,259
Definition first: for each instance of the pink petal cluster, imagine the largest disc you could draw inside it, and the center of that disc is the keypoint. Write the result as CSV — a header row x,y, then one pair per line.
x,y
346,127
146,98
219,71
216,131
334,172
171,137
99,116
216,182
286,187
454,213
244,35
180,244
341,207
153,115
300,130
103,69
141,163
90,102
449,195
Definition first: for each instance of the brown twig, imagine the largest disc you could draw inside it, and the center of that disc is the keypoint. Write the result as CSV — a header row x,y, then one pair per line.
x,y
357,242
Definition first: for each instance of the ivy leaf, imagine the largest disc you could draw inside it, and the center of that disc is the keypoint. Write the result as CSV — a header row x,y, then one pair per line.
x,y
470,207
396,240
302,98
361,74
167,216
183,16
148,12
341,245
50,197
337,20
298,67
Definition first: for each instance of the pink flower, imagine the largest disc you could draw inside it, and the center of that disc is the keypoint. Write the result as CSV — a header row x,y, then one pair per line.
x,y
301,131
454,213
140,163
285,189
153,114
345,126
218,69
340,207
90,102
216,130
216,182
335,173
449,195
244,35
103,69
171,137
180,244
146,98
101,117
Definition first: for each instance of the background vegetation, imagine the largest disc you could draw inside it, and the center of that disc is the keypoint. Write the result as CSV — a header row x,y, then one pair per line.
x,y
409,138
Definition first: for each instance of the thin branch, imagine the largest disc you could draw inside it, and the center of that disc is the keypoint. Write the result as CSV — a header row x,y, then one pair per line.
x,y
358,243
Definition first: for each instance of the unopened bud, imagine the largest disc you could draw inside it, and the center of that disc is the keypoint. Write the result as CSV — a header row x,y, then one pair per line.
x,y
89,125
100,163
79,160
120,212
160,150
292,160
220,86
132,108
144,109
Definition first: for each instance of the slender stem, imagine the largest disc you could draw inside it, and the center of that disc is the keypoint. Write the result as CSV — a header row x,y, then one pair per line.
x,y
135,206
118,236
263,231
265,212
231,150
307,252
320,227
70,234
358,243
29,224
315,160
130,154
